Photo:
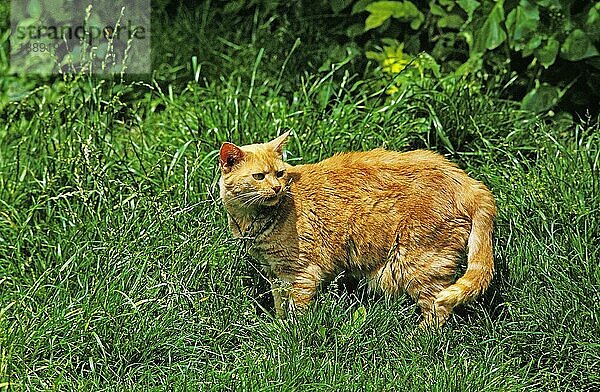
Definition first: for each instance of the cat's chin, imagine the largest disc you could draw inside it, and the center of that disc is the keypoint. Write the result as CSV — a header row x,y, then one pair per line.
x,y
270,202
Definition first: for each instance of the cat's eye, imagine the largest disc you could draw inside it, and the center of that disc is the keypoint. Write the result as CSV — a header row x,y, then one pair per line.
x,y
259,176
280,173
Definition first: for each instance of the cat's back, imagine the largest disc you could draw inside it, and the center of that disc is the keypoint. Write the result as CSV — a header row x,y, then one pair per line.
x,y
381,158
381,178
379,162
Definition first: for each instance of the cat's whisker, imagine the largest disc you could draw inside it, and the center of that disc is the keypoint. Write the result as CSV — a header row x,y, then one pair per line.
x,y
240,196
249,201
237,199
232,201
255,198
245,199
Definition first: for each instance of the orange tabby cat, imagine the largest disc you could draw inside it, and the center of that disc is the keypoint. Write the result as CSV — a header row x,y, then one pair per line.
x,y
400,219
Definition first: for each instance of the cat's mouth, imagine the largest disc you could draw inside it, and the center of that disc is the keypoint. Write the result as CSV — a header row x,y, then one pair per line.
x,y
271,200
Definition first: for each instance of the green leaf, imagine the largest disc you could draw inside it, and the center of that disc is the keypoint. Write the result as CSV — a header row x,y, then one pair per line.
x,y
391,42
380,11
398,9
510,19
491,34
467,36
375,20
593,15
449,4
437,10
451,21
359,317
417,21
533,43
552,4
546,55
577,46
385,7
322,332
541,98
469,6
360,6
383,10
525,20
371,55
592,23
407,11
326,66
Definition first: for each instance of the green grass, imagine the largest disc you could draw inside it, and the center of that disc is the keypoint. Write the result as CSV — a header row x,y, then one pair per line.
x,y
117,270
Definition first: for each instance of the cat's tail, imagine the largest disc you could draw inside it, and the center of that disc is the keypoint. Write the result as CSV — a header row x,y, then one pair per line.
x,y
480,260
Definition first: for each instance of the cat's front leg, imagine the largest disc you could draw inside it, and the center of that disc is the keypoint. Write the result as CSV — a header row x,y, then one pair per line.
x,y
291,298
294,292
280,289
304,286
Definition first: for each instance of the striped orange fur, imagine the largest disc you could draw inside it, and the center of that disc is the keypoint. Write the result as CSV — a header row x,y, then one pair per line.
x,y
402,220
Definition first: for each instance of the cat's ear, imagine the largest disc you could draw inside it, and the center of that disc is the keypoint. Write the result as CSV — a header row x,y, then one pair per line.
x,y
230,155
279,143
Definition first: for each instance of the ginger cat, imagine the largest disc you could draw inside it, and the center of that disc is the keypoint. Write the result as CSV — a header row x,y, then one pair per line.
x,y
400,219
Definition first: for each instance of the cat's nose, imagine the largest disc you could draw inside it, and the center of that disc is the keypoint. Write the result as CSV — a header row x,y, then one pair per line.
x,y
277,188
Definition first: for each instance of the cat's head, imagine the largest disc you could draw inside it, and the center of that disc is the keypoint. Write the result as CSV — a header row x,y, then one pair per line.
x,y
253,175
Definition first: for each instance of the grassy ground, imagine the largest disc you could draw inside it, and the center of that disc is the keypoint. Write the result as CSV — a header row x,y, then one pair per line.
x,y
117,270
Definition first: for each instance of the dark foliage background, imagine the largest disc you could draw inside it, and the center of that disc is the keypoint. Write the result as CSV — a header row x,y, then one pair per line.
x,y
547,49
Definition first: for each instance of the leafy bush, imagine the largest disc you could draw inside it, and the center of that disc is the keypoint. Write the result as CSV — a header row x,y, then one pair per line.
x,y
552,44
